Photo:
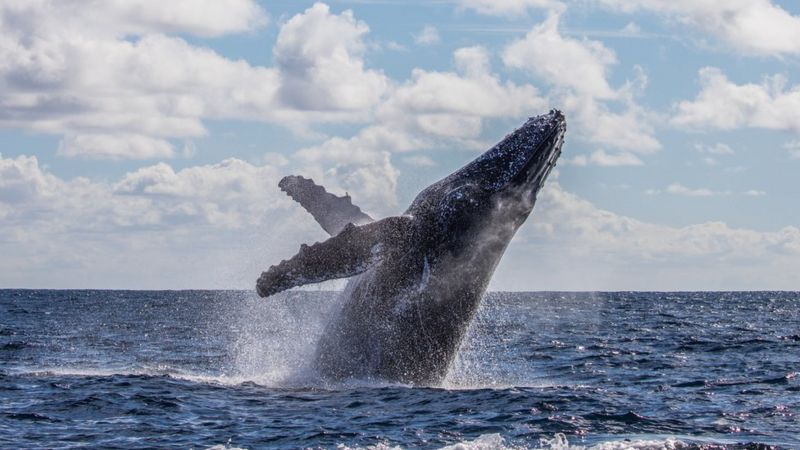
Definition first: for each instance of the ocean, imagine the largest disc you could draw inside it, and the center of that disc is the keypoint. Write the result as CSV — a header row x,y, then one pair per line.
x,y
227,370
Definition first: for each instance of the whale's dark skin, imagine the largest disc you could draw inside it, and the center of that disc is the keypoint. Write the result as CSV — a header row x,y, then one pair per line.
x,y
418,279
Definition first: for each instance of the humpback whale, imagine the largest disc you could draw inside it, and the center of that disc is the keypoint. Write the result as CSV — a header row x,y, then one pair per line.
x,y
417,279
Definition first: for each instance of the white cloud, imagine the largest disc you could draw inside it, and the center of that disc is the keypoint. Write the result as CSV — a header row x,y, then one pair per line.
x,y
509,8
429,35
632,29
601,158
115,146
564,216
453,105
752,27
210,225
126,89
755,193
580,65
726,105
431,110
578,71
230,194
578,246
629,130
393,45
63,73
717,149
420,161
219,225
360,165
134,17
679,189
320,56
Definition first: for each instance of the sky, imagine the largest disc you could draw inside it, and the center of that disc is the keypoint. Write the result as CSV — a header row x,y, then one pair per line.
x,y
141,141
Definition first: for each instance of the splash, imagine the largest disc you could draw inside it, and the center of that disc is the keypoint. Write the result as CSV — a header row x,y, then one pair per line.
x,y
275,340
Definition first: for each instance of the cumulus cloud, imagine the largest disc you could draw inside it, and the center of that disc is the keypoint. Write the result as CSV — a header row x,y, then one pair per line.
x,y
113,82
360,165
433,109
726,105
218,225
454,104
578,71
752,27
578,246
320,58
580,65
230,194
572,217
429,35
126,80
630,130
210,225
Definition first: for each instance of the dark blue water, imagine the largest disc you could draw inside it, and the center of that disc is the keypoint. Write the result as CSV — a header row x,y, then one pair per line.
x,y
118,369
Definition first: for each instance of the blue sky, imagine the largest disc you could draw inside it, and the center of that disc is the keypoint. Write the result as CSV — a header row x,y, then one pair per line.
x,y
141,142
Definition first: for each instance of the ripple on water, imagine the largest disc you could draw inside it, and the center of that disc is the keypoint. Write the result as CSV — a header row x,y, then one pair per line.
x,y
541,370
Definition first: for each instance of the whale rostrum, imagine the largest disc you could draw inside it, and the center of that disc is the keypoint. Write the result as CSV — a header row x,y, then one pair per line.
x,y
416,280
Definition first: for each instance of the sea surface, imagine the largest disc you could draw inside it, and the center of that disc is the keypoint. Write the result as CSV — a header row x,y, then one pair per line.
x,y
225,370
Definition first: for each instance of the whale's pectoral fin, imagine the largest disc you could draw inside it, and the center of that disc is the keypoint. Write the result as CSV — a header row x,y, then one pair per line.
x,y
349,253
331,212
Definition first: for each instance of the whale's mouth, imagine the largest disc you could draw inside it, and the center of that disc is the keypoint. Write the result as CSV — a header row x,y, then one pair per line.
x,y
515,168
546,134
519,164
522,157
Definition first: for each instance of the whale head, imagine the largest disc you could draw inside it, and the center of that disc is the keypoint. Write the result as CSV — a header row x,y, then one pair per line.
x,y
497,189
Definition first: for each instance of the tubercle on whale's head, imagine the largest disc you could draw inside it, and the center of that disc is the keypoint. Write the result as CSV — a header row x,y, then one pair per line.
x,y
522,159
514,169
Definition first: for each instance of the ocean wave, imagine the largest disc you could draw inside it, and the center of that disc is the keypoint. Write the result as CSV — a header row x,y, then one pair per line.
x,y
558,442
309,380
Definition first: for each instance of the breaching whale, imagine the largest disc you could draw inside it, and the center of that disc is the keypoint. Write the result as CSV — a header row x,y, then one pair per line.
x,y
418,278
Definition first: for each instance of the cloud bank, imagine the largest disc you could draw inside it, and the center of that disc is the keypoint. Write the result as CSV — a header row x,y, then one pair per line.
x,y
132,81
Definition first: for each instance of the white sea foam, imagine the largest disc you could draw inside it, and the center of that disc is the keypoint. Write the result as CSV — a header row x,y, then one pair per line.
x,y
266,380
558,442
224,447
